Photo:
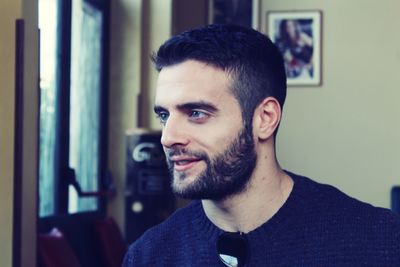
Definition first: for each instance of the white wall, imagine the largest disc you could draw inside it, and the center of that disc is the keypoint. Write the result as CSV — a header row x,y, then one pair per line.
x,y
347,131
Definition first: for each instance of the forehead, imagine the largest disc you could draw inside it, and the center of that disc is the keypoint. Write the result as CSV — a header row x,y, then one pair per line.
x,y
192,81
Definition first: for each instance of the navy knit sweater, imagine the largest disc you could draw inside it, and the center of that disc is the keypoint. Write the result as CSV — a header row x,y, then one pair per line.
x,y
317,226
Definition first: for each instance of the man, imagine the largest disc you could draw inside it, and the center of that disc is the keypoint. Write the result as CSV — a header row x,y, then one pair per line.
x,y
219,97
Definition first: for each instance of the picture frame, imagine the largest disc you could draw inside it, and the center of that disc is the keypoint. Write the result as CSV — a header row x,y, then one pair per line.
x,y
297,34
240,12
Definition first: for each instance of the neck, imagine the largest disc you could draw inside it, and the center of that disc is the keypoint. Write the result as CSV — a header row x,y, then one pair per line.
x,y
267,191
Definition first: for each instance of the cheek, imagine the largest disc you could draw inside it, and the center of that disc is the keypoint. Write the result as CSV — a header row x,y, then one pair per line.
x,y
216,139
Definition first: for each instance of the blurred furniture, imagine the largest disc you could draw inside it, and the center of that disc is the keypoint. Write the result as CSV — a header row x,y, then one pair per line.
x,y
54,250
91,238
148,196
111,243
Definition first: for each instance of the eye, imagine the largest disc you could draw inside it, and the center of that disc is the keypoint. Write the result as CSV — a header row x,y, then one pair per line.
x,y
197,115
163,116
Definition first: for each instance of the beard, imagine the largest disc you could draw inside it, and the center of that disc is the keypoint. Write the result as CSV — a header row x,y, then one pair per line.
x,y
226,174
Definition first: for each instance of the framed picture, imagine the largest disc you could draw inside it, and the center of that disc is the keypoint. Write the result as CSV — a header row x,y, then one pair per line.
x,y
298,37
240,12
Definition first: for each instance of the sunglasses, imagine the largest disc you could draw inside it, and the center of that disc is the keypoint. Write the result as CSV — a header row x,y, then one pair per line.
x,y
233,249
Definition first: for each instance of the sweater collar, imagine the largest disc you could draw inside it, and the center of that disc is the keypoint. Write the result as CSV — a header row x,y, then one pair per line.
x,y
288,210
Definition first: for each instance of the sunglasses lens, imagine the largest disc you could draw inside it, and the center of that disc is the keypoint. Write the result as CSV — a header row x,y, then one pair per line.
x,y
232,249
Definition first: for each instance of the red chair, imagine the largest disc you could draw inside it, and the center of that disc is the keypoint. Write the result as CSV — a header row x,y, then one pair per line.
x,y
54,250
111,243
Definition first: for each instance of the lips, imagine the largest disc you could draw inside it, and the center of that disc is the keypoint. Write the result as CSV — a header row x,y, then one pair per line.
x,y
184,164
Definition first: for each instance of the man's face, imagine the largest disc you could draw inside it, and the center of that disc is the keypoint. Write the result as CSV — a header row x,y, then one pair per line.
x,y
209,152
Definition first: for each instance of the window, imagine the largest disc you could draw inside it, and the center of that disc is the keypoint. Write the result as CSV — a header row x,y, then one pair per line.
x,y
48,16
85,99
73,106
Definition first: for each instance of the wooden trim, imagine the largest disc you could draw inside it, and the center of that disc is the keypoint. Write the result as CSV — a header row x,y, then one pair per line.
x,y
18,139
104,107
63,103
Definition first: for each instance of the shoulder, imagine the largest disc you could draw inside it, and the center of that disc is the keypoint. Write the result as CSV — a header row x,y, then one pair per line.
x,y
161,238
345,221
327,199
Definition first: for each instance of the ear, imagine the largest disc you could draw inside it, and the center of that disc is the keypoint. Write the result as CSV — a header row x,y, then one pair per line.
x,y
266,118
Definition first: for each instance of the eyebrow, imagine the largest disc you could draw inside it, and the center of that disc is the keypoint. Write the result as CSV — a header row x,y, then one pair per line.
x,y
189,106
198,105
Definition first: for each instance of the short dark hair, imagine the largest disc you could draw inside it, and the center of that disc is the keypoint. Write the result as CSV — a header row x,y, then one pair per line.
x,y
253,61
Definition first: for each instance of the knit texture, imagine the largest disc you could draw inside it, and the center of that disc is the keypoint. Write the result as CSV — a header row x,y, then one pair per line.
x,y
317,226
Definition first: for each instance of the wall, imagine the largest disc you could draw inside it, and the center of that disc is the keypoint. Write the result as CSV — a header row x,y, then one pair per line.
x,y
125,36
158,28
10,11
346,132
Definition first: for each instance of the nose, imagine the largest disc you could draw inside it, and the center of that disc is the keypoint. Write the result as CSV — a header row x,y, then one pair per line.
x,y
173,133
